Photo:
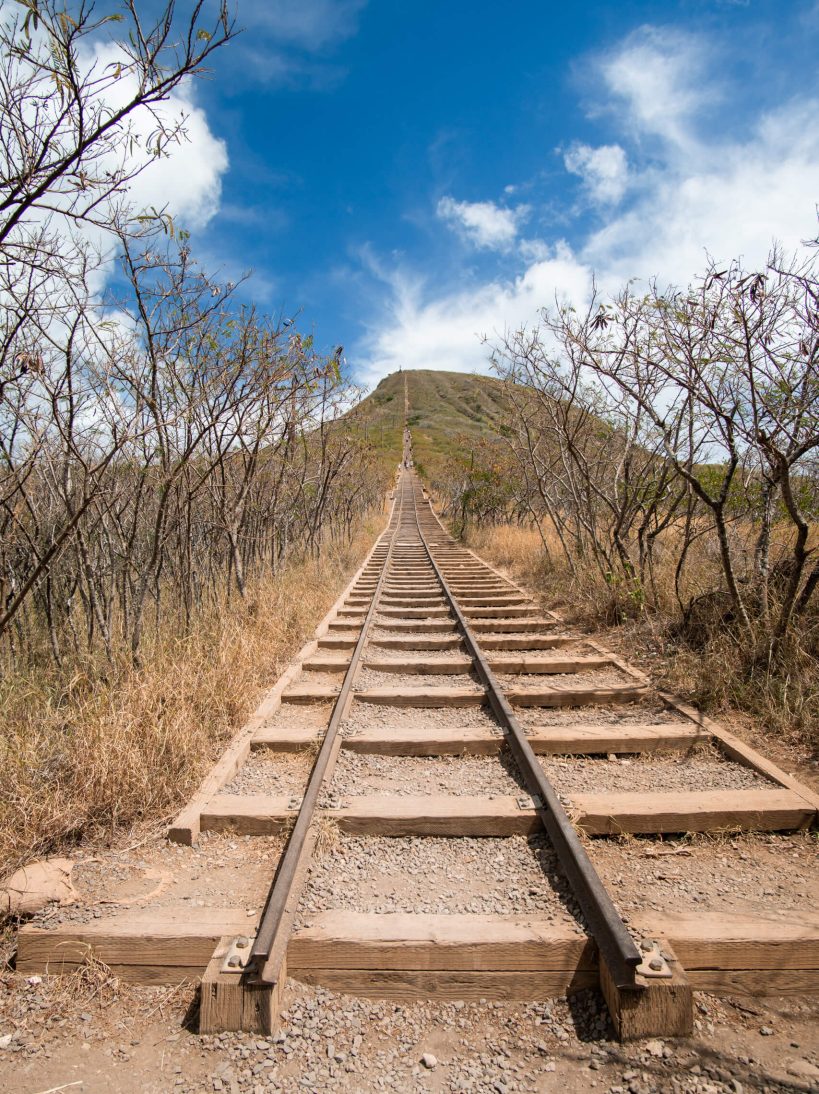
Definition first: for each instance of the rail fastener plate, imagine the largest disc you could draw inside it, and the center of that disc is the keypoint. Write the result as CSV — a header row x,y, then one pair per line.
x,y
530,801
238,954
654,964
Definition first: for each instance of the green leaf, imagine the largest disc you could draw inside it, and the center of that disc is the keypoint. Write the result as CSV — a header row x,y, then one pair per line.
x,y
203,36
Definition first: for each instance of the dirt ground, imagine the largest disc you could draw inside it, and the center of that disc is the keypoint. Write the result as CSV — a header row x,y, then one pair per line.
x,y
86,1032
90,1035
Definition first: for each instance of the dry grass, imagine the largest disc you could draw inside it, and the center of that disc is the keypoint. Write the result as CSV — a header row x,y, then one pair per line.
x,y
89,751
723,672
328,835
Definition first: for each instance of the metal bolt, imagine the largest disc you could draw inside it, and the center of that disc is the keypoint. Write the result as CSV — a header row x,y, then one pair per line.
x,y
241,943
656,963
234,961
646,945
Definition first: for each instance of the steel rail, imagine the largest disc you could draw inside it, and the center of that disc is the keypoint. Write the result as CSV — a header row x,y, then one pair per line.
x,y
613,939
281,889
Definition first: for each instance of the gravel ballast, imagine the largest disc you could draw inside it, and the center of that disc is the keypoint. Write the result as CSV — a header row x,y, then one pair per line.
x,y
512,876
367,678
643,712
371,716
651,773
769,874
299,716
565,681
276,773
358,774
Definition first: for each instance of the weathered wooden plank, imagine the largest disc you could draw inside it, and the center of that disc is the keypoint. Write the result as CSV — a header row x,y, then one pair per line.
x,y
573,697
478,943
409,986
228,1003
661,1008
527,641
421,741
546,740
435,815
488,600
163,938
311,693
286,740
503,612
422,666
548,665
740,941
413,613
720,951
765,810
416,642
755,982
436,665
396,601
614,737
423,697
511,626
420,626
247,814
467,815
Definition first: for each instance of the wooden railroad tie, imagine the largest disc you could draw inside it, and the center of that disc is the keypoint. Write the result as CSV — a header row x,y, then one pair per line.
x,y
604,814
415,957
401,740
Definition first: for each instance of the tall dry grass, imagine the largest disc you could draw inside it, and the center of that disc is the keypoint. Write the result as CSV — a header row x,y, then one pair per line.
x,y
712,664
93,749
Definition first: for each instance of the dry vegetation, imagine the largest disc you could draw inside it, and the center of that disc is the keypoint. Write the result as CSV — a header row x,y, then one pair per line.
x,y
180,498
658,470
111,744
704,661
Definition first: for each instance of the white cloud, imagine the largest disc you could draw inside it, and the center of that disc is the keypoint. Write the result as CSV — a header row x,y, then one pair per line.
x,y
697,195
659,77
731,201
189,179
482,222
311,24
286,40
604,170
446,332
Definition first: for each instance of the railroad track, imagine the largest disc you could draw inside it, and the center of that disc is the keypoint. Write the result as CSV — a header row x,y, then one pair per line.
x,y
434,668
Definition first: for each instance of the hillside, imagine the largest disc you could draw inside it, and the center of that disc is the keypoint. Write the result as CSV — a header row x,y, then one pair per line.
x,y
442,408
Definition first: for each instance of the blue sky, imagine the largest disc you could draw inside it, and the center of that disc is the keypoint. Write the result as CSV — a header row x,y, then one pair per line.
x,y
412,175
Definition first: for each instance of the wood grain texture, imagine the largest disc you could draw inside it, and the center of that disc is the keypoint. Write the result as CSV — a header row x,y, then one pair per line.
x,y
545,740
478,943
409,986
690,811
661,1008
